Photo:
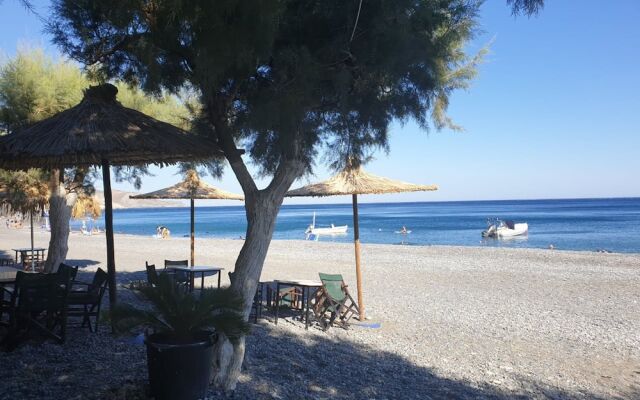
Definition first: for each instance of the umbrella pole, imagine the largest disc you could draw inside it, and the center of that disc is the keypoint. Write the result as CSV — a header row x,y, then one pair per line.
x,y
33,265
356,242
193,236
108,225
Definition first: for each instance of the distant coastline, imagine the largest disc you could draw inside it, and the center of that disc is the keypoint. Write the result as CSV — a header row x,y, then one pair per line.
x,y
142,204
121,201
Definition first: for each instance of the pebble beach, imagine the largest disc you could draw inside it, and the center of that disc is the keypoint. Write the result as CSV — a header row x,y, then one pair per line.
x,y
445,322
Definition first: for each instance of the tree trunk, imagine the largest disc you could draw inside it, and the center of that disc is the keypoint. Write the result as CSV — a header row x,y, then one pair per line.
x,y
262,208
261,217
60,206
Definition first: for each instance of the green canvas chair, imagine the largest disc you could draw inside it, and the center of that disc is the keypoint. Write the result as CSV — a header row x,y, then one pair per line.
x,y
334,298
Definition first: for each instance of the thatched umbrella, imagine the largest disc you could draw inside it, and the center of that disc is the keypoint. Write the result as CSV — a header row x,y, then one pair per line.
x,y
192,188
100,131
354,181
86,205
25,192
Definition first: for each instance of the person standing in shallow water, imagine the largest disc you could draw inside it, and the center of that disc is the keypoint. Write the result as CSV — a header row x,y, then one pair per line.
x,y
162,232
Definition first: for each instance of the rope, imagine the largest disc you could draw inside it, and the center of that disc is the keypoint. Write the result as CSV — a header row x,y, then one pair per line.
x,y
356,24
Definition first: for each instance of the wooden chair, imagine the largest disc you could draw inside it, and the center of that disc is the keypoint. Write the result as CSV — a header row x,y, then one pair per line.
x,y
335,299
179,277
64,269
38,301
85,299
152,274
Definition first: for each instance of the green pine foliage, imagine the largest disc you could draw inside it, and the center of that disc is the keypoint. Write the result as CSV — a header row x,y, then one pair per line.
x,y
34,87
286,79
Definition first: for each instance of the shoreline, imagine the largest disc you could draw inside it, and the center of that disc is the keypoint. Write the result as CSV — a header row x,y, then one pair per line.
x,y
394,245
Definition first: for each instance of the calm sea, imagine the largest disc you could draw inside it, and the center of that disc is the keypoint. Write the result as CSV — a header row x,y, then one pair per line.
x,y
582,224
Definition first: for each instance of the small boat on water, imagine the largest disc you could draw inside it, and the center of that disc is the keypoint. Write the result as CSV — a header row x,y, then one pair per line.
x,y
313,231
504,229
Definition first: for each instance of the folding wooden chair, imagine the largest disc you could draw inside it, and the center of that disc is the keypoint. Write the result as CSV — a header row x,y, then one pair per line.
x,y
38,301
85,299
335,299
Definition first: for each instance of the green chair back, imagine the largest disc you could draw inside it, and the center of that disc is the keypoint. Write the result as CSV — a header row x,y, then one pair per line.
x,y
332,284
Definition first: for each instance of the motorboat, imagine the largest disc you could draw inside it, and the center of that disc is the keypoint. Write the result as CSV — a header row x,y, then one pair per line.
x,y
313,231
505,229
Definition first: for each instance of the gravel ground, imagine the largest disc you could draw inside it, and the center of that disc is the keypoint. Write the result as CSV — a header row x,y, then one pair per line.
x,y
455,323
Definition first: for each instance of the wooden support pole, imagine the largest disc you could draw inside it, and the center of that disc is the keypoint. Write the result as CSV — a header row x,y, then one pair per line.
x,y
33,263
193,235
356,242
108,226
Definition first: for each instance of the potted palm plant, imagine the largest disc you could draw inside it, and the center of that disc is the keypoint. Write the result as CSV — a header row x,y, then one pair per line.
x,y
181,330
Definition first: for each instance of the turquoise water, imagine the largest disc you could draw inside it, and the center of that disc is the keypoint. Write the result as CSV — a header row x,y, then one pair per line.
x,y
582,224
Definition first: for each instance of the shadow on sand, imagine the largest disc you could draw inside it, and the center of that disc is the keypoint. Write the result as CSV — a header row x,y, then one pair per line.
x,y
280,363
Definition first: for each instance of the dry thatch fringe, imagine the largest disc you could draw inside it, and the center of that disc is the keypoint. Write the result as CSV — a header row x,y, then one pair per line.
x,y
192,187
357,181
86,206
98,128
24,191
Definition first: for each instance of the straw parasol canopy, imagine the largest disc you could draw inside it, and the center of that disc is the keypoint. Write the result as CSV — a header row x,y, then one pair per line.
x,y
24,191
192,187
86,206
100,128
100,131
354,180
357,181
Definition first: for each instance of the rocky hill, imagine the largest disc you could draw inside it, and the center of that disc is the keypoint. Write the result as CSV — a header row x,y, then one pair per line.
x,y
121,200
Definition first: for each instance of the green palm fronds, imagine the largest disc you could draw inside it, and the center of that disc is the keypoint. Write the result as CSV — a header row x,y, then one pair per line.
x,y
180,314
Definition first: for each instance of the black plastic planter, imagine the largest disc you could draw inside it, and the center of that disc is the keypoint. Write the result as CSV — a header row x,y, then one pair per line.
x,y
178,370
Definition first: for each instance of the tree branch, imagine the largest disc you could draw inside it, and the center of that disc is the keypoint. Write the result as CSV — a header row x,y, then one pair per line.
x,y
230,150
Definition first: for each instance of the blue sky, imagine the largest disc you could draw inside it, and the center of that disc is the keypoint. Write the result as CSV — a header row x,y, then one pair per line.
x,y
554,112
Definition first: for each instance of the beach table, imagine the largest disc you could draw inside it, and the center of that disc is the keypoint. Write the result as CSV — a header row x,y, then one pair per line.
x,y
23,251
306,287
201,269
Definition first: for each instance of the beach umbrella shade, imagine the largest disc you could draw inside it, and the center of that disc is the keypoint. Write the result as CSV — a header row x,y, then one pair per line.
x,y
192,188
354,180
25,192
86,205
99,131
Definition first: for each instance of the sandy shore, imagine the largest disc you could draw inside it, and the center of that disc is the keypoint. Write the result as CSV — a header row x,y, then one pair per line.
x,y
537,323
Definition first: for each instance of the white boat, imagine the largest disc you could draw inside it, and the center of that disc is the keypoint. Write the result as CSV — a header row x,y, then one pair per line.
x,y
313,231
505,229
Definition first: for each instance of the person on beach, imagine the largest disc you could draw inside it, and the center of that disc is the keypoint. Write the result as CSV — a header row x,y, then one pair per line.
x,y
162,232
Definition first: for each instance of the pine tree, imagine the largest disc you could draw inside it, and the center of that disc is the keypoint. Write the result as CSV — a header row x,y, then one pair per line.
x,y
285,80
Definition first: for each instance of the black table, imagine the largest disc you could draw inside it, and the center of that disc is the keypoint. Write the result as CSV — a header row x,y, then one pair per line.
x,y
306,286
